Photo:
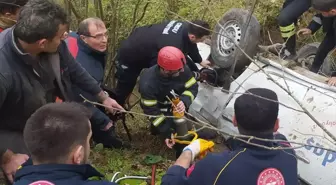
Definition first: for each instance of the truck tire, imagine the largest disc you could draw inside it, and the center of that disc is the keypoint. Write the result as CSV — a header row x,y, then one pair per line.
x,y
306,56
223,49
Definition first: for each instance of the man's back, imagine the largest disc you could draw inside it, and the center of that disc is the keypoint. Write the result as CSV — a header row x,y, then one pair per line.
x,y
145,42
63,174
246,165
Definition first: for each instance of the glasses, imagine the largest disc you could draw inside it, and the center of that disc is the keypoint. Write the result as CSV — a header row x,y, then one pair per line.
x,y
98,36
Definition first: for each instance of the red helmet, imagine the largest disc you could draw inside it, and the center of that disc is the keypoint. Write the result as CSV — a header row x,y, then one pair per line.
x,y
171,58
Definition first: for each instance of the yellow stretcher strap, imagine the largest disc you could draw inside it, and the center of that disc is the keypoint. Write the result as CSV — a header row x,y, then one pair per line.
x,y
186,142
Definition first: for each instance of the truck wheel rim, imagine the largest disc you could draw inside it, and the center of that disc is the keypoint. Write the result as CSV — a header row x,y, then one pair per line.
x,y
225,45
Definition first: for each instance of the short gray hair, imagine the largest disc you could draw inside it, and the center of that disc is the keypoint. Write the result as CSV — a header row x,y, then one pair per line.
x,y
83,28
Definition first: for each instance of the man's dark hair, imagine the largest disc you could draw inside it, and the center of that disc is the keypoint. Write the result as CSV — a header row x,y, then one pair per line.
x,y
39,19
324,5
255,113
11,6
52,131
198,31
83,27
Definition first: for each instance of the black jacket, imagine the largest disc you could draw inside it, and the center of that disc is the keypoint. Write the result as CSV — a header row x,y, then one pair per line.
x,y
154,88
24,88
142,46
62,174
245,165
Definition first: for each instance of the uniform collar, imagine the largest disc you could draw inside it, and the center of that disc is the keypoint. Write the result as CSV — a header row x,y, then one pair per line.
x,y
58,171
255,141
16,47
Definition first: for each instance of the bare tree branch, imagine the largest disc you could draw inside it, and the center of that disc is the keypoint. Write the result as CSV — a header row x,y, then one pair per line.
x,y
270,78
209,126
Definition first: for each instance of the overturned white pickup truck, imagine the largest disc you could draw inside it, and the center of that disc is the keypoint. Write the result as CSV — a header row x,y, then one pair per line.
x,y
215,105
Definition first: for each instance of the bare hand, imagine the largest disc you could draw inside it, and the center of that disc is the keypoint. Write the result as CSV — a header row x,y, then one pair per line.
x,y
170,142
180,107
109,102
11,162
332,81
304,31
205,63
108,126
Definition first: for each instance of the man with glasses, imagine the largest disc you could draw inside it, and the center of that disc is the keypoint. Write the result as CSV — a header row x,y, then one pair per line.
x,y
9,11
36,69
156,83
88,46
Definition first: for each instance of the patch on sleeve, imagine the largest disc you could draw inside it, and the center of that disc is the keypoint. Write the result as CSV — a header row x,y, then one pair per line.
x,y
42,182
271,176
191,169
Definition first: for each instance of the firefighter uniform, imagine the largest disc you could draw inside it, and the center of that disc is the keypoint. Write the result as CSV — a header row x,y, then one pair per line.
x,y
140,50
154,88
291,11
245,165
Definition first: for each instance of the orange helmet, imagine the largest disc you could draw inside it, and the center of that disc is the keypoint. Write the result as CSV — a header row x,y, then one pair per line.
x,y
171,58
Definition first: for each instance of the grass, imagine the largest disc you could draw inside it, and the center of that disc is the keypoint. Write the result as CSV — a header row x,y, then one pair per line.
x,y
131,161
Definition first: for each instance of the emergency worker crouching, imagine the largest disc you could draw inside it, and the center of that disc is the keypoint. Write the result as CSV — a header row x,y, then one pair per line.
x,y
171,74
247,164
140,50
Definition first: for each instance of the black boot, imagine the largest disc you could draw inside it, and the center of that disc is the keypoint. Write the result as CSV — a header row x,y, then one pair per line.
x,y
109,139
289,53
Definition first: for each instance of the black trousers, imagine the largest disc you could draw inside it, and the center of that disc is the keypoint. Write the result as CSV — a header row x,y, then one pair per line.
x,y
127,75
325,47
291,11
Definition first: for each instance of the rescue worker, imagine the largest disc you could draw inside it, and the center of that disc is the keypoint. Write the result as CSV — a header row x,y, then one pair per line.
x,y
9,11
326,45
254,116
287,19
58,137
36,68
141,48
328,10
157,82
88,46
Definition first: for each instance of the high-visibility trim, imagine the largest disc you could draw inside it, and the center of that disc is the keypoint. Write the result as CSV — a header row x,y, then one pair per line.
x,y
317,20
190,82
287,28
159,120
289,34
149,102
188,93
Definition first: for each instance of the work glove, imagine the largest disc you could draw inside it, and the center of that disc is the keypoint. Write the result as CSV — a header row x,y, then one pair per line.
x,y
199,147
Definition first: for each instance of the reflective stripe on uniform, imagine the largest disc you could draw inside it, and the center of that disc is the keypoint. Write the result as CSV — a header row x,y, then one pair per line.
x,y
149,102
288,31
188,93
287,28
317,20
159,120
289,34
190,82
